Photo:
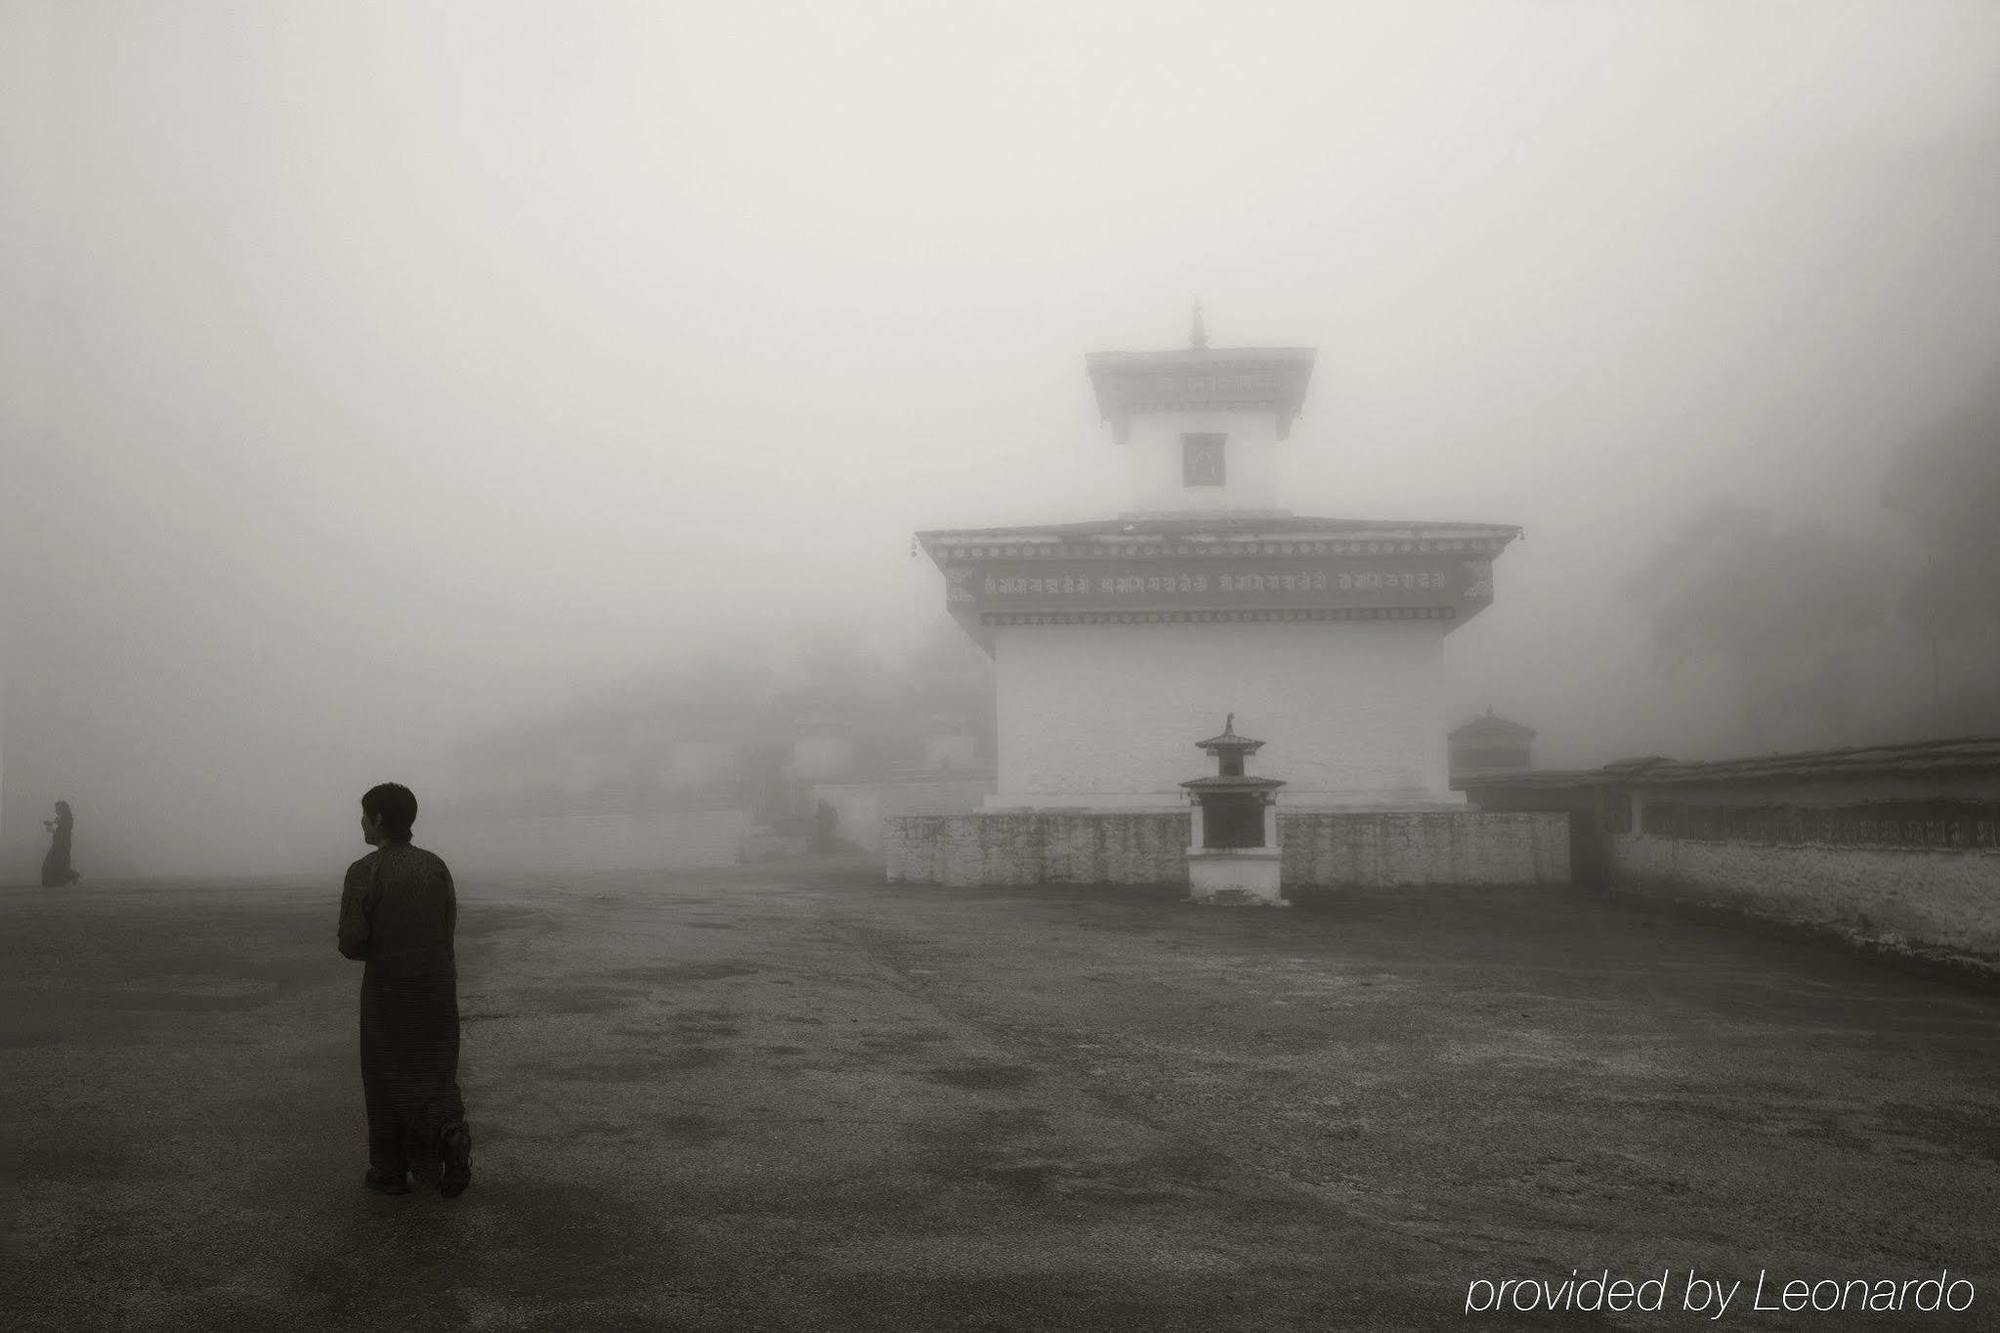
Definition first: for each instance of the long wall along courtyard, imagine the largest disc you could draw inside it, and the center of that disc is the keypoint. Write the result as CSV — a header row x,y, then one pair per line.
x,y
1892,846
1118,644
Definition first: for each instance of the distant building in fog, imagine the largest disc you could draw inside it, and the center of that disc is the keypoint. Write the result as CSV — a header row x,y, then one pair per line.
x,y
703,764
823,748
638,771
951,743
1490,744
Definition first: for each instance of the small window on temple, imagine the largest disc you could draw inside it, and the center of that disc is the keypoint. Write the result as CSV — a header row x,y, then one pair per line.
x,y
1201,460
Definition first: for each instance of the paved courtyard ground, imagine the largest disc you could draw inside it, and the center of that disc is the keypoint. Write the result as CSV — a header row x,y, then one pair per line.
x,y
799,1098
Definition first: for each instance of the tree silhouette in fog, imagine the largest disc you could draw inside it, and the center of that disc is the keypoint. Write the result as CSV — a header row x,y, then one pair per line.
x,y
738,709
1783,617
1947,490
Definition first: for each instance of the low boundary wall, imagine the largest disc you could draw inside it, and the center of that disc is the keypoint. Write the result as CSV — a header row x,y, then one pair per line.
x,y
1328,849
1323,850
1925,898
1894,846
1011,847
862,806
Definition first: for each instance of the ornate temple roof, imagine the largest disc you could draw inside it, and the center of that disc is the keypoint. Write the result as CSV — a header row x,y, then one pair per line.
x,y
1221,534
1220,564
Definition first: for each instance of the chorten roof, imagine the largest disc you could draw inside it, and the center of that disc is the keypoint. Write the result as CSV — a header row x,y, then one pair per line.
x,y
1232,782
1229,740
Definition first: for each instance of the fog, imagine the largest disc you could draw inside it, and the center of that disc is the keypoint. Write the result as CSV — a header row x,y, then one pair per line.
x,y
377,377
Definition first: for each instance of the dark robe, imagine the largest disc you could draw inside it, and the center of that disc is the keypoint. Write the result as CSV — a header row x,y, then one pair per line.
x,y
398,911
56,870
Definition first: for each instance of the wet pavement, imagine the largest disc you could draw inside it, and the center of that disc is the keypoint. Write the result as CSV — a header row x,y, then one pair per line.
x,y
795,1097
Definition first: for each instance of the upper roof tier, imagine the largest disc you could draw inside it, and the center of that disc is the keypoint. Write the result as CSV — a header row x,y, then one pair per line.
x,y
1201,378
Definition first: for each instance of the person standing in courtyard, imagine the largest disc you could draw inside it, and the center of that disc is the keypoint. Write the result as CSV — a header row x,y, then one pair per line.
x,y
825,821
56,869
398,913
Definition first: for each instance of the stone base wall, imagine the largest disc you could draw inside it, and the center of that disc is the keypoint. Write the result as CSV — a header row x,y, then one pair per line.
x,y
1012,848
1322,849
1929,899
862,806
1325,850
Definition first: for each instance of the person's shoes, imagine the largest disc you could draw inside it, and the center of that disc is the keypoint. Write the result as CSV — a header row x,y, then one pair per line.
x,y
455,1144
383,1182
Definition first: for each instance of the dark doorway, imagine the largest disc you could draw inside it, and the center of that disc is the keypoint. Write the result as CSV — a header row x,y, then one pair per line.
x,y
1232,821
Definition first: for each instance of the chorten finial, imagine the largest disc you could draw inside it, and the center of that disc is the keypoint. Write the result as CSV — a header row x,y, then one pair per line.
x,y
1198,335
1229,740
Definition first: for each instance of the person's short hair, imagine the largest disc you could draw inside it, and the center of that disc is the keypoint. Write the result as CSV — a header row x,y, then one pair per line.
x,y
395,806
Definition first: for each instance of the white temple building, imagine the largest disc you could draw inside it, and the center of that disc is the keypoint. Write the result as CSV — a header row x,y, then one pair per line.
x,y
1118,643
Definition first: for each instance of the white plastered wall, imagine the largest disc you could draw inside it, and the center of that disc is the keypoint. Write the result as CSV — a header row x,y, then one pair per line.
x,y
1106,716
1153,459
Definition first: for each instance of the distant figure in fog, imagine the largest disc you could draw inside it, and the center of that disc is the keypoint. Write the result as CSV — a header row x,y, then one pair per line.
x,y
825,820
398,912
56,869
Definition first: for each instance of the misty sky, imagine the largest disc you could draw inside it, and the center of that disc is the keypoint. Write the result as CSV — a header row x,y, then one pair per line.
x,y
374,373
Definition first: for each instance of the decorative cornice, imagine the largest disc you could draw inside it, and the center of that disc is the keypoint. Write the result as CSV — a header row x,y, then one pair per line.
x,y
1000,619
1272,568
944,547
1226,530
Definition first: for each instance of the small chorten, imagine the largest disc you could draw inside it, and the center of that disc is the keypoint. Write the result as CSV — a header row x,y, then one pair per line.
x,y
1233,852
